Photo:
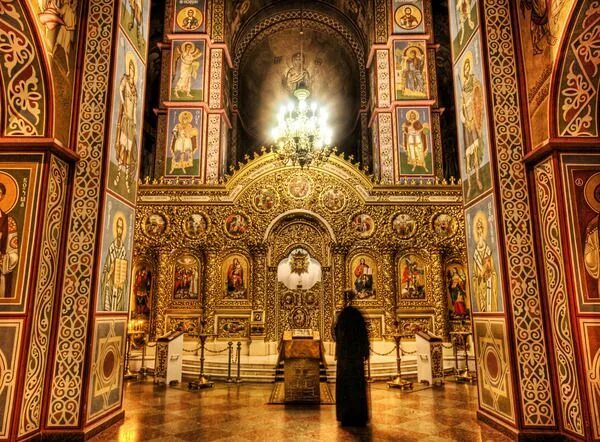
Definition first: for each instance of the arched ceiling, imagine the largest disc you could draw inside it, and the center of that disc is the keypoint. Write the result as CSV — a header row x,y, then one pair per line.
x,y
266,51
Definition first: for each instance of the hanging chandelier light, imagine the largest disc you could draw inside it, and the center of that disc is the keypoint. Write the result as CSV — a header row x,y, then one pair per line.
x,y
302,135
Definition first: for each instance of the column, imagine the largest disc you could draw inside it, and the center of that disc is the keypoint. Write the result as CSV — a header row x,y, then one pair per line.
x,y
440,299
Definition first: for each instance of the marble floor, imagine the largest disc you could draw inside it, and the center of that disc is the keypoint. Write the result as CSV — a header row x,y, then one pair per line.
x,y
230,412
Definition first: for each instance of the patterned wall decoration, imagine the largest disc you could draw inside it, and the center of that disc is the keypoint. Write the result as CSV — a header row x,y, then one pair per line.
x,y
64,405
184,142
531,353
374,327
493,367
472,121
19,190
115,261
578,102
10,339
408,17
187,70
233,327
216,77
21,72
383,78
213,147
415,145
45,291
386,148
558,300
126,121
107,367
581,177
590,334
189,16
410,70
464,20
135,23
485,275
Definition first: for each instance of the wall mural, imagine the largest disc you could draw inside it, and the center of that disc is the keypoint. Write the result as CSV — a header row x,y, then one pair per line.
x,y
408,17
415,145
484,267
404,225
363,277
117,242
472,124
463,23
19,190
195,225
186,278
410,70
189,16
184,143
107,366
10,339
235,271
412,277
581,175
135,23
459,301
155,224
187,70
590,333
126,121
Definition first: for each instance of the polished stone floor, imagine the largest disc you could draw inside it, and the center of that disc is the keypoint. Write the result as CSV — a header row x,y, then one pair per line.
x,y
230,412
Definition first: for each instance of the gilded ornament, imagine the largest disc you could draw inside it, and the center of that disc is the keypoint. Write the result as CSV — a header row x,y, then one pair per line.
x,y
404,225
444,225
236,225
155,224
265,199
362,225
300,186
333,199
195,225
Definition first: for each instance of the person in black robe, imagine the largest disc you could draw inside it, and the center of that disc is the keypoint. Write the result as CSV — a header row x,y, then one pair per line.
x,y
352,349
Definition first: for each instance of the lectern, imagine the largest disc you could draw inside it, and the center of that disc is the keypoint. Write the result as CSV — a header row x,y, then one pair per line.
x,y
169,357
430,367
301,352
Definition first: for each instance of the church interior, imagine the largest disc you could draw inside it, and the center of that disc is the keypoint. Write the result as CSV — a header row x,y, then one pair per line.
x,y
189,187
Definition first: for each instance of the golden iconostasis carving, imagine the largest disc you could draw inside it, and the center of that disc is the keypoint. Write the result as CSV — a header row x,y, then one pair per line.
x,y
286,242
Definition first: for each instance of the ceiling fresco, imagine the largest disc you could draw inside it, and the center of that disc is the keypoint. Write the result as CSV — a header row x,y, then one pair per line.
x,y
272,68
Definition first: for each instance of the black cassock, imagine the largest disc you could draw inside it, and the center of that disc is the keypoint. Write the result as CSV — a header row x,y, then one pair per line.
x,y
352,348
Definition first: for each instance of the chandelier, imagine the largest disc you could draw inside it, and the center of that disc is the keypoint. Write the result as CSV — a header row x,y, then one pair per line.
x,y
302,135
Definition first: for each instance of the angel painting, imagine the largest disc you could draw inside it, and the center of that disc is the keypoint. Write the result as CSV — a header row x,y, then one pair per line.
x,y
59,17
187,65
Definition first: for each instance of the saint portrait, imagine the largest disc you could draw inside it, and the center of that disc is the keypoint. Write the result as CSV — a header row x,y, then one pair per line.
x,y
236,224
265,199
297,74
134,21
154,224
186,278
235,273
456,287
415,141
183,154
142,292
59,19
195,225
363,225
444,225
189,16
472,126
333,199
299,186
463,21
408,16
9,234
483,255
187,70
363,273
412,277
404,225
127,121
410,70
116,266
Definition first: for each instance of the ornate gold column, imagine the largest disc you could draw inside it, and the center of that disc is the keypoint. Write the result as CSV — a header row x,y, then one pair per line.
x,y
387,286
441,323
338,259
259,276
211,288
270,307
164,286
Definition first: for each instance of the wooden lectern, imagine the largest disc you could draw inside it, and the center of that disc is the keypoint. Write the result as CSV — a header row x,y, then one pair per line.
x,y
301,352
